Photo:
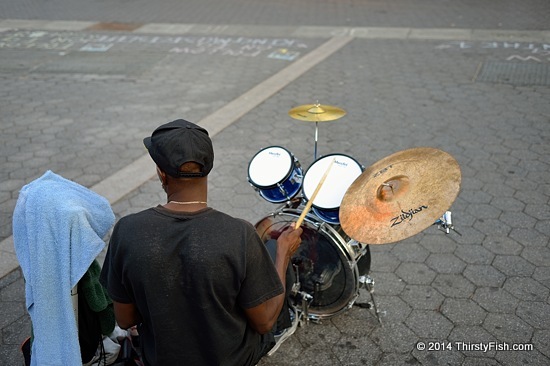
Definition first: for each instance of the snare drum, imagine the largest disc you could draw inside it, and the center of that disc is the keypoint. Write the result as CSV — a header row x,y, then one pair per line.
x,y
328,263
276,174
342,174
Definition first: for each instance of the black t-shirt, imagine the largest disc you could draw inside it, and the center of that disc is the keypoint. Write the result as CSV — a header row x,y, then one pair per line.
x,y
190,276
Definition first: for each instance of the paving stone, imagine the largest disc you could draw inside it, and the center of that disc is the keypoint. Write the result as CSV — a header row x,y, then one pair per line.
x,y
463,312
530,312
529,237
390,359
392,308
453,286
493,227
422,297
531,198
510,358
541,340
495,300
439,244
479,361
484,275
451,357
513,266
474,254
526,289
13,310
471,236
410,253
387,283
384,262
484,210
538,211
542,274
415,273
11,352
395,338
518,220
13,291
15,333
502,245
476,196
357,351
445,263
543,227
468,339
429,324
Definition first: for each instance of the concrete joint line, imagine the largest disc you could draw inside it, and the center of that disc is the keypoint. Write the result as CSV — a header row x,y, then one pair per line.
x,y
463,34
131,177
237,108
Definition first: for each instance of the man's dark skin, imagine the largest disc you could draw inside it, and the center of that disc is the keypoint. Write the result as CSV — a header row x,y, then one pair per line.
x,y
261,318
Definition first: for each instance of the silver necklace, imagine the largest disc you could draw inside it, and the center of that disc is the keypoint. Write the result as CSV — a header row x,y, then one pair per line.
x,y
188,202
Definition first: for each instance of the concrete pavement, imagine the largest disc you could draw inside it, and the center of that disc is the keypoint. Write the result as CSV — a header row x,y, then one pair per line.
x,y
78,96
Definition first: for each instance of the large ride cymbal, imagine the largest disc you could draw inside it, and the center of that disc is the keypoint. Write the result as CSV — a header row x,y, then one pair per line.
x,y
400,195
316,113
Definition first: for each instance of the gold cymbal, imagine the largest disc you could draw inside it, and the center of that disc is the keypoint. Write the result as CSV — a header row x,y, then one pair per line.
x,y
316,113
400,195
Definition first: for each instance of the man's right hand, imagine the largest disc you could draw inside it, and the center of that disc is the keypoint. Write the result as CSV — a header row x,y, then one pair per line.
x,y
289,241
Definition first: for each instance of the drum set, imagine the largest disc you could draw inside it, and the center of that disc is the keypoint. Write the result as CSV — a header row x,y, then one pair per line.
x,y
343,208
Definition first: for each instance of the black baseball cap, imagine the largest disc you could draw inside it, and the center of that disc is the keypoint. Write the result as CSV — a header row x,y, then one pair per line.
x,y
178,142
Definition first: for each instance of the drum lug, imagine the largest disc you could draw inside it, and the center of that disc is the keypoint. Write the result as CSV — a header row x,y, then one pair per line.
x,y
322,225
254,187
283,191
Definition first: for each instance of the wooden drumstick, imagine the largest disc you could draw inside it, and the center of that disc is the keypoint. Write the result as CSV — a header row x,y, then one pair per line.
x,y
310,202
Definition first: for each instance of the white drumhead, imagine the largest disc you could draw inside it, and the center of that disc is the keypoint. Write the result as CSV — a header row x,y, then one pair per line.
x,y
269,166
342,174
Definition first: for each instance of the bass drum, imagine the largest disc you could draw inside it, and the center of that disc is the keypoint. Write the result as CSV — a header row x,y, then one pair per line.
x,y
327,262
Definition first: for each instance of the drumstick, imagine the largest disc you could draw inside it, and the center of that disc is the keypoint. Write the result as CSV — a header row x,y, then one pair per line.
x,y
310,202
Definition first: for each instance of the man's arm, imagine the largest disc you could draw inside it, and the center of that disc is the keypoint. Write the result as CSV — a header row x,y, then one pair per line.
x,y
262,318
126,315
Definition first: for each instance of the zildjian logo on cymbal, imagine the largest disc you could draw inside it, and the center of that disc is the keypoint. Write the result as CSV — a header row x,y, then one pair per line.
x,y
406,215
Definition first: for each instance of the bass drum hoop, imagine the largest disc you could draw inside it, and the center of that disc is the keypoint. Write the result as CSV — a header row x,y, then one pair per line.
x,y
337,240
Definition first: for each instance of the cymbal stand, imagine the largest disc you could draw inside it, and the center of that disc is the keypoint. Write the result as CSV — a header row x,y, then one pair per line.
x,y
316,138
368,282
445,223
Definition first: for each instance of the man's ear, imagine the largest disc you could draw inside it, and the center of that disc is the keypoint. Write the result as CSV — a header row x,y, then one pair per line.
x,y
162,177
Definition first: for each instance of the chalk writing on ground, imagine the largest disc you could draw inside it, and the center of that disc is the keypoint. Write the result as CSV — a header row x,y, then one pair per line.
x,y
512,51
276,48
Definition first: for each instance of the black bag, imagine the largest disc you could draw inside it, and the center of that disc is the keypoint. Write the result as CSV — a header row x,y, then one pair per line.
x,y
89,329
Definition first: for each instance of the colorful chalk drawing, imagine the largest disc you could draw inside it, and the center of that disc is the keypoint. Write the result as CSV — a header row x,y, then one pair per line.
x,y
519,51
276,48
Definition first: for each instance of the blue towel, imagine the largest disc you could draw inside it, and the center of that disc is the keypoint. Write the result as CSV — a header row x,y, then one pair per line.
x,y
58,230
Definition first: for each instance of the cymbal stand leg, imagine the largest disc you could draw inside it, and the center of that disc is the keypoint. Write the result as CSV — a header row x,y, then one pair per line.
x,y
368,282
